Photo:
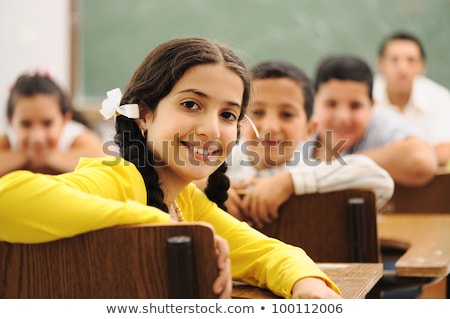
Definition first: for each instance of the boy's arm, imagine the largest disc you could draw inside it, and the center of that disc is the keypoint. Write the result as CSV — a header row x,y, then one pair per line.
x,y
410,162
347,172
352,171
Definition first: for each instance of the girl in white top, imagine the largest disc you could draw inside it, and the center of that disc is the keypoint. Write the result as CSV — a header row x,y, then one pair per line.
x,y
44,132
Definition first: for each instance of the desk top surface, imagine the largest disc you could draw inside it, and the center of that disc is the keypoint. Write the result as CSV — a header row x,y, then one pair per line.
x,y
354,279
426,238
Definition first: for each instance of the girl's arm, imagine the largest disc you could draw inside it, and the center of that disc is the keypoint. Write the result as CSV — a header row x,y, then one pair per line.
x,y
88,144
10,160
37,208
255,258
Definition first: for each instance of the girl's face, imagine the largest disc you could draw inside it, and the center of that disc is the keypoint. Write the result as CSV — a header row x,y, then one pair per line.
x,y
344,108
37,122
195,126
277,109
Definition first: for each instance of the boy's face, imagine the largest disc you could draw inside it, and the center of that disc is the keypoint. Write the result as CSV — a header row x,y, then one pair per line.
x,y
400,64
343,107
277,109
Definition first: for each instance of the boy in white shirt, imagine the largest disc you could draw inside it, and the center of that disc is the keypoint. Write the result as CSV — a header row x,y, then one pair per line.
x,y
402,86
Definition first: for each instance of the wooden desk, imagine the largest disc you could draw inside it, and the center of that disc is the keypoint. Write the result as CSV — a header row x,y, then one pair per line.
x,y
432,197
426,239
354,279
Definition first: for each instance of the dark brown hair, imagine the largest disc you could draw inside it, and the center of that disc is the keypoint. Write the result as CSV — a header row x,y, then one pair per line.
x,y
273,69
402,35
31,84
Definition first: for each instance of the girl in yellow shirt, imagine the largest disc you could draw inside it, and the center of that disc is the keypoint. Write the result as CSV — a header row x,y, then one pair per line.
x,y
176,122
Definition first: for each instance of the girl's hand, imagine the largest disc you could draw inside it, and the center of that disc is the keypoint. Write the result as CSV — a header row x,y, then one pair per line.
x,y
37,162
223,284
313,288
38,158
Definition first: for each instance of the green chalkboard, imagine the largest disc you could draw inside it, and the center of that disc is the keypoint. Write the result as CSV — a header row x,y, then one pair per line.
x,y
117,34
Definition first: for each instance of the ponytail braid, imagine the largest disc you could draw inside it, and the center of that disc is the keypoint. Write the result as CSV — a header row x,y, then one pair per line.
x,y
217,186
132,145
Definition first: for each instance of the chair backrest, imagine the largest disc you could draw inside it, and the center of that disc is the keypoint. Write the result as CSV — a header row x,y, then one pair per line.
x,y
117,262
433,197
331,227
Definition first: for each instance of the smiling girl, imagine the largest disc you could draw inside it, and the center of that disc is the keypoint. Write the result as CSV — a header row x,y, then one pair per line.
x,y
45,134
176,122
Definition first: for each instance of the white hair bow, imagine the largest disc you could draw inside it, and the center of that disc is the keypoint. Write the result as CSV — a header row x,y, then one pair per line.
x,y
111,107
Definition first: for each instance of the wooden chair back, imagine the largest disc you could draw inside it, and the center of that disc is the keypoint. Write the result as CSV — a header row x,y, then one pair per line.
x,y
331,227
117,262
433,197
339,227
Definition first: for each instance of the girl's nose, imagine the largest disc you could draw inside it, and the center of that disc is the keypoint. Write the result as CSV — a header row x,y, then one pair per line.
x,y
209,127
37,135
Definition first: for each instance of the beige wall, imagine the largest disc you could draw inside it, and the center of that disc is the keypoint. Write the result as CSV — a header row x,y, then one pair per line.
x,y
33,34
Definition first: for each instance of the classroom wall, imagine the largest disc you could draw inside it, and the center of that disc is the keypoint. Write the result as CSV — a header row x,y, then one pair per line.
x,y
33,34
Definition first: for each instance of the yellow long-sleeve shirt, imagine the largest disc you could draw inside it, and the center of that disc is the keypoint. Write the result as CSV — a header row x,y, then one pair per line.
x,y
110,191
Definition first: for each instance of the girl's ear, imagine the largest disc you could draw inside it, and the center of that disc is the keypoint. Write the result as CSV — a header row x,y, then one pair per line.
x,y
141,124
145,117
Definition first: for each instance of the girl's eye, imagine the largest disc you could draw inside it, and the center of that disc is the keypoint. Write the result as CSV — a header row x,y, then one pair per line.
x,y
229,116
191,105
